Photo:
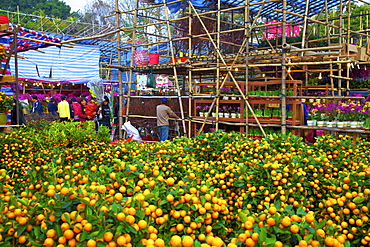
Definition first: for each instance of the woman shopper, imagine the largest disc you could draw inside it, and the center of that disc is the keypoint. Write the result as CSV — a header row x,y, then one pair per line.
x,y
79,110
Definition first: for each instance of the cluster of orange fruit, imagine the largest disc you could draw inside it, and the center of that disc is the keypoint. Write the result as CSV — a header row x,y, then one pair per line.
x,y
216,189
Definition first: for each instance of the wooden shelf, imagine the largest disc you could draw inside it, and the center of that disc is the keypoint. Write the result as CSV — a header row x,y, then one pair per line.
x,y
242,120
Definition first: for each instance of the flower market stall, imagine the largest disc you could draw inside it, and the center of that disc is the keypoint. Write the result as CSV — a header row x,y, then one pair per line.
x,y
15,39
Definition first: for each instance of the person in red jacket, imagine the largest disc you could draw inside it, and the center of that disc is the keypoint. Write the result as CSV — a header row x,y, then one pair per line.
x,y
91,110
79,110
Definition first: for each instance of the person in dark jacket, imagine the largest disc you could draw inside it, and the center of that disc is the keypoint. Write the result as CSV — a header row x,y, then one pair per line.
x,y
36,105
103,113
52,107
21,118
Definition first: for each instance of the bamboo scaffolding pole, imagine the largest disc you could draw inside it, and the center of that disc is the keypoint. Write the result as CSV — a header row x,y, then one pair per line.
x,y
190,74
348,36
301,63
224,22
304,33
155,23
285,46
237,8
174,68
43,41
120,98
341,77
327,30
131,61
218,68
221,32
228,71
340,42
246,33
91,37
222,41
283,73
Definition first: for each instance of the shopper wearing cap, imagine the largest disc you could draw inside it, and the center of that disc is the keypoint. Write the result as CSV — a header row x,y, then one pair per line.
x,y
163,114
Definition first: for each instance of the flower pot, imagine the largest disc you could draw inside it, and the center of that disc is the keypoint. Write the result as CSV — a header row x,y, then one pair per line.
x,y
226,115
220,114
353,124
205,114
341,124
329,124
201,114
311,100
303,100
238,115
213,114
3,118
320,123
233,115
318,100
225,98
233,97
310,122
361,124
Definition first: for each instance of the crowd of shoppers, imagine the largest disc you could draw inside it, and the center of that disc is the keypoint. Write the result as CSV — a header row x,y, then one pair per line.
x,y
78,111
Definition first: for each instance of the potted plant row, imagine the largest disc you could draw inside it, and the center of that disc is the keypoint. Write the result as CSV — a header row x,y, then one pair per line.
x,y
223,111
342,115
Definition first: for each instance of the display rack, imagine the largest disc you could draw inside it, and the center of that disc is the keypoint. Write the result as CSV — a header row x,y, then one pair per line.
x,y
220,48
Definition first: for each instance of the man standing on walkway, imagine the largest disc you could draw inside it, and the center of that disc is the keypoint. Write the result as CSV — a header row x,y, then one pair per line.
x,y
63,109
36,105
163,114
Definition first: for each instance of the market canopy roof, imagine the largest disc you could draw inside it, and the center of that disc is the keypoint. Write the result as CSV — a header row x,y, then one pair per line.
x,y
295,6
28,39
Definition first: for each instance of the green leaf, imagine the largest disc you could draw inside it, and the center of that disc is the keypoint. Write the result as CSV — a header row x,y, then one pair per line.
x,y
263,235
309,237
58,230
243,217
84,236
101,233
67,218
101,244
197,244
358,200
88,211
149,196
21,230
66,204
23,202
163,202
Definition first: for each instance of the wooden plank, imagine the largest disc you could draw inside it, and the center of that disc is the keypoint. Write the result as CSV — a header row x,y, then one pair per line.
x,y
4,27
6,129
7,78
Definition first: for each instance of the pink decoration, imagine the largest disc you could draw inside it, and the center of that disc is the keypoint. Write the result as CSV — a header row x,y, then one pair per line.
x,y
276,31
